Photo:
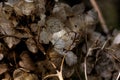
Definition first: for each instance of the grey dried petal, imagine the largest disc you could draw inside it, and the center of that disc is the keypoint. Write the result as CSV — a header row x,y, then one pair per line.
x,y
69,39
78,9
64,40
68,71
79,22
40,7
62,11
116,39
20,74
31,45
92,17
42,21
54,25
60,44
56,36
44,36
70,58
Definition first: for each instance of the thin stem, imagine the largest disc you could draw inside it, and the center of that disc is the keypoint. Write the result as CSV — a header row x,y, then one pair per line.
x,y
100,16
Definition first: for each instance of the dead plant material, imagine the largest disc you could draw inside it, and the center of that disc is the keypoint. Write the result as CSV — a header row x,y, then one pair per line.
x,y
51,40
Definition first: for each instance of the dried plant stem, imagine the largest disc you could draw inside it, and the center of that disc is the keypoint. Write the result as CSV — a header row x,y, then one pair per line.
x,y
100,16
118,76
85,68
59,73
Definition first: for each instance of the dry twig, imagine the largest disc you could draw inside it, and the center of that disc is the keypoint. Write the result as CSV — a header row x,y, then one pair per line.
x,y
118,76
100,16
59,73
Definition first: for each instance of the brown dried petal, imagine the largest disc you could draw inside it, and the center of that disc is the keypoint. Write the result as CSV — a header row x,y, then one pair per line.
x,y
40,7
26,62
7,10
11,41
28,8
20,74
3,68
6,27
31,45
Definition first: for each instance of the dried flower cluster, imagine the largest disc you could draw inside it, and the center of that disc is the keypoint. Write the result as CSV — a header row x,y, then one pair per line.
x,y
36,36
